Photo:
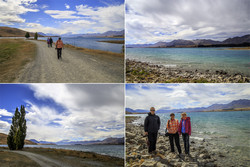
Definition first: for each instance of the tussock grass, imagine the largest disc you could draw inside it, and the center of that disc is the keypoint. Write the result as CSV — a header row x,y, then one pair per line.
x,y
95,52
14,55
13,159
114,41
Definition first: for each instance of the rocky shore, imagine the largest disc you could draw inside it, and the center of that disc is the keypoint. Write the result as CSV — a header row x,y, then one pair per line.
x,y
143,72
137,153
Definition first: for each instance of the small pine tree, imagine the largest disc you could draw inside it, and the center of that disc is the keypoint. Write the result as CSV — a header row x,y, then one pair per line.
x,y
17,134
36,36
27,35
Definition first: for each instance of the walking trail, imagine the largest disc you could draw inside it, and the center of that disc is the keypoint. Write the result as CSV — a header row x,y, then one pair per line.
x,y
74,67
41,160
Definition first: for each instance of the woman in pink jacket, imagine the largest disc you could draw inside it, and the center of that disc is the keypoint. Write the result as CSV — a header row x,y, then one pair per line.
x,y
185,130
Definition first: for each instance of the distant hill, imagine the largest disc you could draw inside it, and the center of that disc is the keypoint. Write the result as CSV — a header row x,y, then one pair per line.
x,y
14,32
105,34
236,41
236,105
243,103
113,141
3,140
108,141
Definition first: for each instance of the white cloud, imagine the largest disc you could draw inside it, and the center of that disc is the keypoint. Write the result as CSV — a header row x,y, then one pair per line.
x,y
106,18
67,6
184,95
4,112
182,19
87,19
4,127
89,112
44,6
62,14
10,10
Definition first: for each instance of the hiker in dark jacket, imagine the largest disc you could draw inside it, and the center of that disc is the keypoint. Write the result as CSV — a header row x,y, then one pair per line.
x,y
51,41
48,42
151,126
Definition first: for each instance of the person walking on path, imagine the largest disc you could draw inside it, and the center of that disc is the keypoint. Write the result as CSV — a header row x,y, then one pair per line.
x,y
151,126
51,41
48,42
185,130
59,46
172,127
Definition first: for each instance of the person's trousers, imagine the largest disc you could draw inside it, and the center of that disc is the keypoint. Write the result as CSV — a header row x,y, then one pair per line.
x,y
48,44
175,138
59,52
152,137
185,137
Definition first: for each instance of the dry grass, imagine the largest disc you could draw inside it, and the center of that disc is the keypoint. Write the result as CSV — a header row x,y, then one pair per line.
x,y
55,153
114,41
74,158
241,48
14,55
9,159
95,52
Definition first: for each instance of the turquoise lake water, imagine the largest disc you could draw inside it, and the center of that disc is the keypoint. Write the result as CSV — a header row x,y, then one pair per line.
x,y
232,61
232,128
111,150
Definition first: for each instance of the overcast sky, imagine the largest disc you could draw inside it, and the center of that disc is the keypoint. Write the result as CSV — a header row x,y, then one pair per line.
x,y
166,20
176,96
63,16
65,111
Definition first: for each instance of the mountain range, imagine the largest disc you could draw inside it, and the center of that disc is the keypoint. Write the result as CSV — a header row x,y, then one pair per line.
x,y
15,32
236,105
235,41
107,141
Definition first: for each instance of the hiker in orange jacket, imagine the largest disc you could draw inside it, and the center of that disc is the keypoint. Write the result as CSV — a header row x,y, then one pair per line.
x,y
59,46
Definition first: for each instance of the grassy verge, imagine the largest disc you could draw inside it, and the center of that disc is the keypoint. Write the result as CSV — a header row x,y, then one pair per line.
x,y
14,55
95,51
114,41
238,48
8,159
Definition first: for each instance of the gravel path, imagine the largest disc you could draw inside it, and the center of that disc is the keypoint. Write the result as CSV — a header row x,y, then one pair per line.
x,y
74,67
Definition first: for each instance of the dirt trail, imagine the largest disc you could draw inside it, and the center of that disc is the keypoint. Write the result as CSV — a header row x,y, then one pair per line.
x,y
40,159
74,67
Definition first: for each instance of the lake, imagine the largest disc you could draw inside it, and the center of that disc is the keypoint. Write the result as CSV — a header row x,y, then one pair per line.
x,y
91,43
232,61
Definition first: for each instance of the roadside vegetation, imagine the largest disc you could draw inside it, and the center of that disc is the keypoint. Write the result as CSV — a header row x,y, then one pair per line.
x,y
14,55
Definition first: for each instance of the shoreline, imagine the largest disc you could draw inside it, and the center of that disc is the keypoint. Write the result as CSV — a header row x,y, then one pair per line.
x,y
203,152
72,157
93,52
145,72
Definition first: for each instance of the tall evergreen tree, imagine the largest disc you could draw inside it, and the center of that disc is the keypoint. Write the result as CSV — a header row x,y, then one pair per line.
x,y
27,35
36,36
18,129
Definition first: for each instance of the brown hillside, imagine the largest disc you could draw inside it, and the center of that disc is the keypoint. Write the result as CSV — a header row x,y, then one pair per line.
x,y
3,140
13,32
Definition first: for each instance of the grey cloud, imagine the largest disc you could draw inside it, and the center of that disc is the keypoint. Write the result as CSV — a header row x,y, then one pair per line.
x,y
191,18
